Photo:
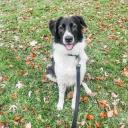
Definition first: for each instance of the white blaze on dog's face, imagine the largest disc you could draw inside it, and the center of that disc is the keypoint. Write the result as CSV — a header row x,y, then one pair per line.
x,y
67,31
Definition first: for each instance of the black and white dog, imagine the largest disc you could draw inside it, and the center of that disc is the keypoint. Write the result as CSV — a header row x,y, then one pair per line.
x,y
68,49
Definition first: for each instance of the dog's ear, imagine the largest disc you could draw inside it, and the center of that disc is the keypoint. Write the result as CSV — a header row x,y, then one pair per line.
x,y
52,26
81,21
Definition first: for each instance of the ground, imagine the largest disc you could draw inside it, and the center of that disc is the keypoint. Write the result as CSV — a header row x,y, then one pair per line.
x,y
28,99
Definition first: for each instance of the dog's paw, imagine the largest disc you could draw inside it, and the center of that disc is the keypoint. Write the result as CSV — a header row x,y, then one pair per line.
x,y
73,105
59,106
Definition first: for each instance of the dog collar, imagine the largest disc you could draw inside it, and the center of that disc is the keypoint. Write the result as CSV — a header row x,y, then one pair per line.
x,y
77,57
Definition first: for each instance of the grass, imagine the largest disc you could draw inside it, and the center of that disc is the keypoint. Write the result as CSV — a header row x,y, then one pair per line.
x,y
23,21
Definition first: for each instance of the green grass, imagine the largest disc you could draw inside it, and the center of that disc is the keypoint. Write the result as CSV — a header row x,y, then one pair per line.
x,y
22,21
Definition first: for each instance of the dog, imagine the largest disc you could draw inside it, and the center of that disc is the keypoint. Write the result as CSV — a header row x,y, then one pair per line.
x,y
68,50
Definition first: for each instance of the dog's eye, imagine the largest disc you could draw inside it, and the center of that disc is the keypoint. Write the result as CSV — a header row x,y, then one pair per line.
x,y
61,28
73,26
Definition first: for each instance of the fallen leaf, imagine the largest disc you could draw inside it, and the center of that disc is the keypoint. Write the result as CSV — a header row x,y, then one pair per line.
x,y
33,55
48,126
10,66
13,108
125,72
100,78
46,99
46,38
59,122
98,125
27,61
82,123
14,96
28,125
33,43
17,118
89,117
90,38
84,99
110,114
18,58
114,95
113,37
1,113
2,125
44,78
29,93
115,111
19,84
1,78
103,104
4,78
23,73
103,115
119,82
122,125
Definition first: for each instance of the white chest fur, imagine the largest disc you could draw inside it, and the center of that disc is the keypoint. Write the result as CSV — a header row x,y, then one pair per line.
x,y
65,65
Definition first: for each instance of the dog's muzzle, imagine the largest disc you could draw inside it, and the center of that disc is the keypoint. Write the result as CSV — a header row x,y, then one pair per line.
x,y
69,42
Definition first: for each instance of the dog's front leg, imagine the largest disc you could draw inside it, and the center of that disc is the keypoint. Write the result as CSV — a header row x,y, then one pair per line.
x,y
62,89
74,98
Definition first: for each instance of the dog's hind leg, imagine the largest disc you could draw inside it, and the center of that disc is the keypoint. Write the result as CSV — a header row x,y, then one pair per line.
x,y
51,71
87,89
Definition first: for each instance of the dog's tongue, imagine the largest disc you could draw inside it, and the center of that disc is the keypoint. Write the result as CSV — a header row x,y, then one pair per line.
x,y
69,46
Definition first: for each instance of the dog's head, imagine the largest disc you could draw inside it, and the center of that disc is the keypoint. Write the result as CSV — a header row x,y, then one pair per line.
x,y
67,31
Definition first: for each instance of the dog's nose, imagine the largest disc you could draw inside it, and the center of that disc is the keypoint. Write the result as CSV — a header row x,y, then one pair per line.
x,y
68,39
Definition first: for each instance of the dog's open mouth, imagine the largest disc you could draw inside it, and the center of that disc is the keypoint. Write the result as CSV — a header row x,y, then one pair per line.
x,y
69,46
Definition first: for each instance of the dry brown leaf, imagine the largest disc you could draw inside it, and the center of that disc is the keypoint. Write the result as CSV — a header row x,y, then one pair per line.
x,y
98,125
14,96
1,113
4,78
23,73
17,118
84,99
27,61
59,122
125,72
115,111
44,78
100,78
89,117
113,37
119,82
18,58
33,55
103,104
103,115
48,126
89,39
46,38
